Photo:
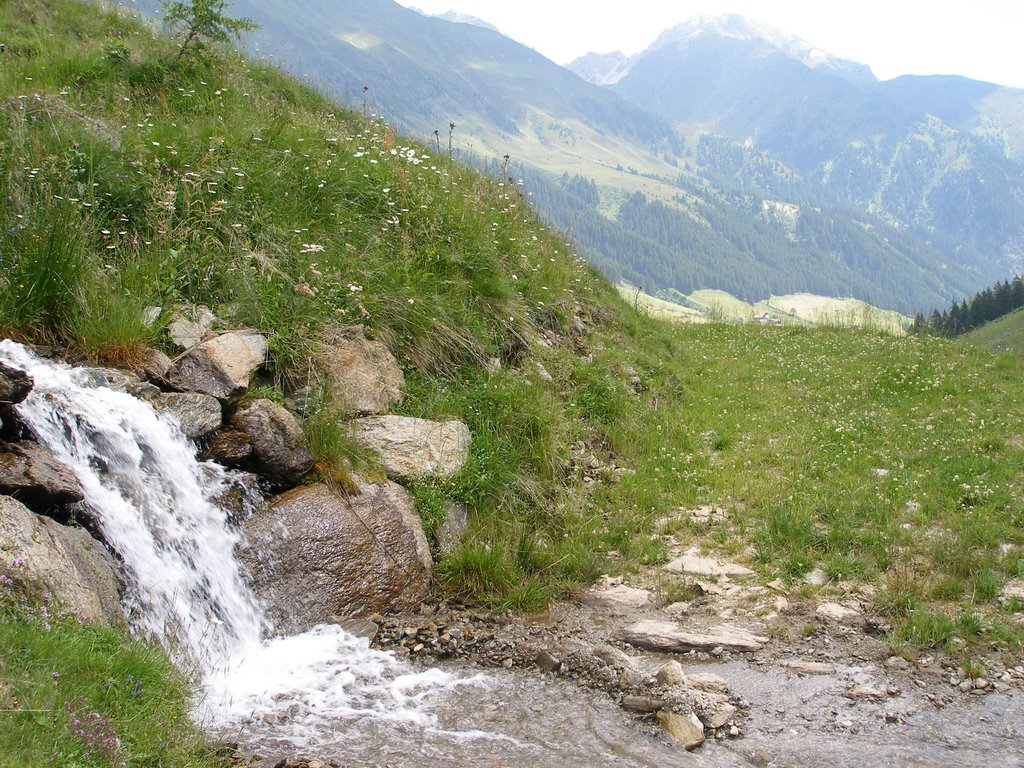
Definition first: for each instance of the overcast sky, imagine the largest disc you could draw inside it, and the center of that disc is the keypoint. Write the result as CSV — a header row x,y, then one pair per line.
x,y
982,39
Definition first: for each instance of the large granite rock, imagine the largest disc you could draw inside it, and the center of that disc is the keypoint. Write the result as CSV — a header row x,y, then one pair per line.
x,y
360,374
670,637
318,553
412,449
276,440
67,562
33,475
220,367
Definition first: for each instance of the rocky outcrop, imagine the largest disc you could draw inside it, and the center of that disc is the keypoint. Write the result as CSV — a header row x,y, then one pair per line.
x,y
67,562
670,637
360,374
412,449
275,436
221,367
317,553
33,475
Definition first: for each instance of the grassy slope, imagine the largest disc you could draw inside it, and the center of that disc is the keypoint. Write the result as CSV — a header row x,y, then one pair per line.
x,y
129,180
1003,335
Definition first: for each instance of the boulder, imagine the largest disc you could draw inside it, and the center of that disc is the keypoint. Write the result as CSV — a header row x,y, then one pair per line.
x,y
73,567
197,415
220,367
278,450
14,385
35,476
669,637
412,449
317,553
686,730
360,374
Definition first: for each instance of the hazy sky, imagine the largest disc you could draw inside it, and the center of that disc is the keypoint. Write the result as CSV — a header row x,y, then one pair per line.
x,y
983,39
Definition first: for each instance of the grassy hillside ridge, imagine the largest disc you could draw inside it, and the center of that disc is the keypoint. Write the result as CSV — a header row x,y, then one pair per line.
x,y
1003,335
131,180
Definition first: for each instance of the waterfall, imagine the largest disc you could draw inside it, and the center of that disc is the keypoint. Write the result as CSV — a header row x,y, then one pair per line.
x,y
152,502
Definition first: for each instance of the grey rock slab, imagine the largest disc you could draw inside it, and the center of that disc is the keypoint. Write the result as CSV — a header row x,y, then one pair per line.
x,y
613,657
188,328
707,682
317,553
221,367
720,716
413,449
616,597
694,564
75,568
670,637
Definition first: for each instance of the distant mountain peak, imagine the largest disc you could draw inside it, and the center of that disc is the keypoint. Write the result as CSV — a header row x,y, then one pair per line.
x,y
465,18
734,26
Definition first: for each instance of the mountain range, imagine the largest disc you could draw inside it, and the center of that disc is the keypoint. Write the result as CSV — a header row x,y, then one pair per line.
x,y
725,156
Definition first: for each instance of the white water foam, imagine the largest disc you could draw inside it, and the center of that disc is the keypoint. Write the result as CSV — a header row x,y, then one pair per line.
x,y
151,499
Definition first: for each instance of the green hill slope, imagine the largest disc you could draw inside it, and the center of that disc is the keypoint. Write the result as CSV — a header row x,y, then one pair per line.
x,y
1003,335
131,179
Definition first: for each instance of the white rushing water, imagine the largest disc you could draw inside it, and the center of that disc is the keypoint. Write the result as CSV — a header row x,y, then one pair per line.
x,y
151,499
